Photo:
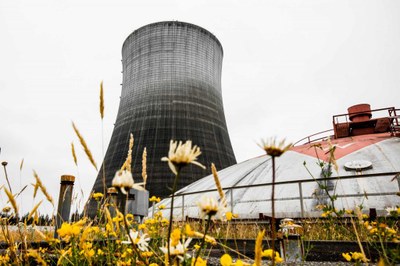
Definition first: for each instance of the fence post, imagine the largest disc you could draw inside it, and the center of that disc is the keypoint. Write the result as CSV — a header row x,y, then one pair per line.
x,y
64,201
231,192
183,208
301,199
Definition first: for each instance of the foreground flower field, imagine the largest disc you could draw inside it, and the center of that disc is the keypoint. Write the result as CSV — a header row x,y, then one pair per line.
x,y
116,237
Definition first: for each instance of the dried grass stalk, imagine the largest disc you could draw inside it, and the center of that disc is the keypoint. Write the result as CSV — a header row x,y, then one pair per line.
x,y
218,184
42,188
101,100
33,211
144,167
21,164
258,248
11,199
85,146
35,189
74,154
128,161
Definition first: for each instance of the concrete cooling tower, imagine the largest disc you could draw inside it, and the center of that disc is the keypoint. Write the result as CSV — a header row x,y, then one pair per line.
x,y
171,90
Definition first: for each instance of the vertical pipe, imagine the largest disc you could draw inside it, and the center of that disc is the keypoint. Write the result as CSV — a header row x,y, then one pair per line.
x,y
183,208
301,199
112,200
64,201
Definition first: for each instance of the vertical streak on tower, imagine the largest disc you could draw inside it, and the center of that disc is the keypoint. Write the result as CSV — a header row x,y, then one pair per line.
x,y
171,90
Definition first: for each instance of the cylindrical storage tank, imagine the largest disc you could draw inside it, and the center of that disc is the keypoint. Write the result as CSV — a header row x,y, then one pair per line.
x,y
171,91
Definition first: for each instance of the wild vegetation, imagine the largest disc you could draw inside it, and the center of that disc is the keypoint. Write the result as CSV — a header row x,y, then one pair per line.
x,y
115,237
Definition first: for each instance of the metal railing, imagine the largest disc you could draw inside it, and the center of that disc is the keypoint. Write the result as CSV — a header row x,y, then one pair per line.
x,y
336,119
301,198
313,138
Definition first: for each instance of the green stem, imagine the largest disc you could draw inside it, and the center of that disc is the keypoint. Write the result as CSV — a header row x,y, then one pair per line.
x,y
104,163
5,173
383,248
171,214
132,240
273,210
204,239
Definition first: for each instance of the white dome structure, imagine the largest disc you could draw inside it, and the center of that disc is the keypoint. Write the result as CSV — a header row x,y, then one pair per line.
x,y
368,174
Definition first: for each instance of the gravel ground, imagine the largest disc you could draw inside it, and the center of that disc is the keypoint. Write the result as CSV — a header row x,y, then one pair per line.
x,y
215,261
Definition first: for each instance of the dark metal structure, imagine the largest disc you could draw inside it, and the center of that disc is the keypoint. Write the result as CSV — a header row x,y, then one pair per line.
x,y
171,91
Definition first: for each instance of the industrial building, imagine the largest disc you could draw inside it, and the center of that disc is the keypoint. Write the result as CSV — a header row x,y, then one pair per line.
x,y
366,147
171,90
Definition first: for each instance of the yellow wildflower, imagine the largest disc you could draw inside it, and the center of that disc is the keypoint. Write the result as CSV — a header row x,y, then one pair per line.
x,y
226,260
357,256
34,254
68,230
4,259
161,207
89,253
97,196
268,254
199,262
118,218
142,226
188,230
240,263
373,231
175,237
154,199
349,211
129,218
147,254
230,215
347,256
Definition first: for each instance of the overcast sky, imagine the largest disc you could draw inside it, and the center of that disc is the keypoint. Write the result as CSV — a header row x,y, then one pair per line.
x,y
288,67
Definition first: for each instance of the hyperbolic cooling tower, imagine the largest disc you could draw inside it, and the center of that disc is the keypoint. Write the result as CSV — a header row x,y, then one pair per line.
x,y
171,91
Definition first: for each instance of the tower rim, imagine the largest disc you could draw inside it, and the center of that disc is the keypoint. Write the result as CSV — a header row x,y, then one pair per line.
x,y
175,22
